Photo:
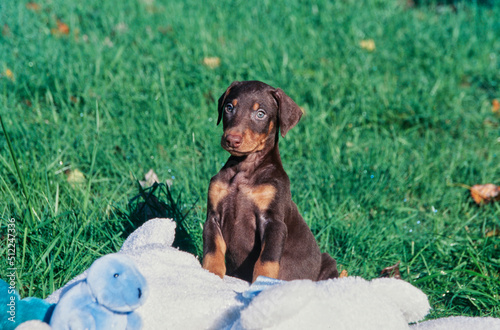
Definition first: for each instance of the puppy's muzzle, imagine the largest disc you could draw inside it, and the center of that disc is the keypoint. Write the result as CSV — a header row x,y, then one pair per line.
x,y
234,140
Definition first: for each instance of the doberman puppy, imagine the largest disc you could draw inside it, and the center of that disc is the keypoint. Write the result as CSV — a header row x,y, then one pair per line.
x,y
253,227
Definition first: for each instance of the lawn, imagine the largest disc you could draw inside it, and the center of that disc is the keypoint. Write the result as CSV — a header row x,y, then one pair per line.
x,y
398,123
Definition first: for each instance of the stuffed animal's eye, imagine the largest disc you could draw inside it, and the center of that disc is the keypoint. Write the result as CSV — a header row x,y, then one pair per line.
x,y
229,107
116,275
261,114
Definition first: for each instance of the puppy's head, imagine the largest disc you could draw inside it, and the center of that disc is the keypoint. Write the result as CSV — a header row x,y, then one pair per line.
x,y
251,113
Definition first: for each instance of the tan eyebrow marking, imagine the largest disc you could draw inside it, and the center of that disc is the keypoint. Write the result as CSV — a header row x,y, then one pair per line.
x,y
256,106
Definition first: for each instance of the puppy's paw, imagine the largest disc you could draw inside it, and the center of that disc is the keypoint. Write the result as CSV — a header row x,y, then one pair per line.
x,y
215,264
266,268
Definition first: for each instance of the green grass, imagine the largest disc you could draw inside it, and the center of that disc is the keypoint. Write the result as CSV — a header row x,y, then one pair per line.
x,y
376,164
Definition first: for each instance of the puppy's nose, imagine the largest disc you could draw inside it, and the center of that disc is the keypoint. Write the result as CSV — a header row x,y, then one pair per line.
x,y
234,140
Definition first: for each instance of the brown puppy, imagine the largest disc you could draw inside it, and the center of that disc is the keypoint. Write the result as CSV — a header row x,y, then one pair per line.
x,y
253,227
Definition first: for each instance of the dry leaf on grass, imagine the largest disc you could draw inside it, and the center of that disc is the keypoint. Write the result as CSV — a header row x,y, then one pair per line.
x,y
74,99
492,232
33,6
75,177
495,106
149,179
392,271
211,62
62,29
343,273
368,44
485,193
9,74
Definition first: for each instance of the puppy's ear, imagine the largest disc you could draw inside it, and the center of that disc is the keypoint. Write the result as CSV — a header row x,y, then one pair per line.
x,y
222,99
289,112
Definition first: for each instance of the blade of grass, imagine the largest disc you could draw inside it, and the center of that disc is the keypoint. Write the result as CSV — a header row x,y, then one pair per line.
x,y
31,220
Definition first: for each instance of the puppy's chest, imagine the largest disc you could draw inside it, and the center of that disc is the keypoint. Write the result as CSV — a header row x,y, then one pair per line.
x,y
240,198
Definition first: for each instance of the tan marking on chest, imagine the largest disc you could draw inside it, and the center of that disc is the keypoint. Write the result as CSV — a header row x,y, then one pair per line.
x,y
261,196
218,191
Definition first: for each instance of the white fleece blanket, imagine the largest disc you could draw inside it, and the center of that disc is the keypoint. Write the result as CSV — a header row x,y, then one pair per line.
x,y
185,296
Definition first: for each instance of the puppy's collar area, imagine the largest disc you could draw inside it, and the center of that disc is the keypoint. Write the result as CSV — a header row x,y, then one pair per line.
x,y
248,163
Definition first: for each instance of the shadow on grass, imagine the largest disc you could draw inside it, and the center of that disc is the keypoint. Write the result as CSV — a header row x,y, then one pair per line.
x,y
157,201
451,3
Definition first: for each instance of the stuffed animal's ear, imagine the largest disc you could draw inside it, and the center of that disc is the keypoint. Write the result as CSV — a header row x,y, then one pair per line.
x,y
222,100
289,112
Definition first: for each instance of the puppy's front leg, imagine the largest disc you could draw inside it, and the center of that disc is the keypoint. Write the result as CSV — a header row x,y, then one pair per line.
x,y
214,247
273,236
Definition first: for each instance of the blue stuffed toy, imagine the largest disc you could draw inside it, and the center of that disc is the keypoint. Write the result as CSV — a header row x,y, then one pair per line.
x,y
16,310
106,299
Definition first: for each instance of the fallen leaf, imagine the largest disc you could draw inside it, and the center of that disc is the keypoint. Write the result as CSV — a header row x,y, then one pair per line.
x,y
368,44
75,177
492,232
392,271
33,6
343,273
9,74
149,179
495,106
212,62
62,29
485,193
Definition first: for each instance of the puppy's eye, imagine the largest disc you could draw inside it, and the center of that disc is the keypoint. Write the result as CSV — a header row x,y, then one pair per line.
x,y
116,275
261,114
229,107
